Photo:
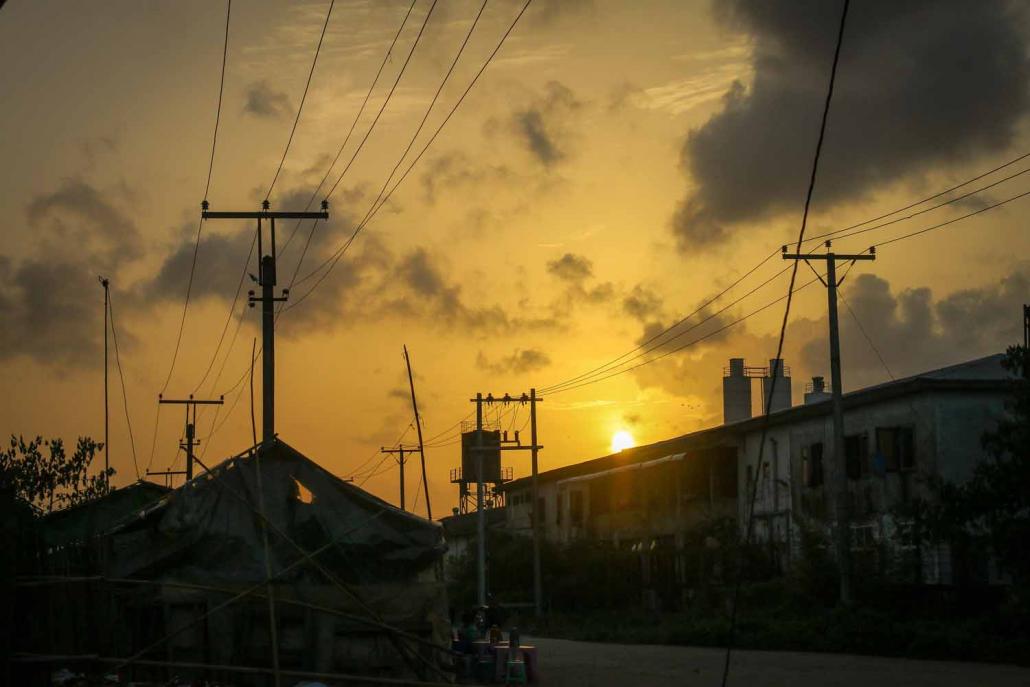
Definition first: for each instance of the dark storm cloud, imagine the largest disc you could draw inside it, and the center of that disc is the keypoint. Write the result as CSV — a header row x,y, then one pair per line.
x,y
519,362
52,304
571,268
913,332
78,219
920,85
264,101
545,126
219,264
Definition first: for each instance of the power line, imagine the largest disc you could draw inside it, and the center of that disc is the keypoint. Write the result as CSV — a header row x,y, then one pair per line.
x,y
411,142
952,221
303,97
228,320
783,333
333,259
611,364
586,378
200,226
121,378
386,101
207,187
840,232
353,124
928,198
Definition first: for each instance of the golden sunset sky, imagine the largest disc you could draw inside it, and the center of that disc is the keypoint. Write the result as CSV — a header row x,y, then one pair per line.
x,y
616,165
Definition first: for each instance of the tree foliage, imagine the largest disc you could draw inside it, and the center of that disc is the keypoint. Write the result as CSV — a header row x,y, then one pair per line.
x,y
991,511
41,473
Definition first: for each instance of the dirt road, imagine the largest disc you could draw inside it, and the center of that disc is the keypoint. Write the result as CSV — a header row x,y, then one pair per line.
x,y
582,664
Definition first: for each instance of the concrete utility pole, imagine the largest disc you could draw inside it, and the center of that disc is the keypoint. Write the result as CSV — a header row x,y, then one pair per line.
x,y
418,426
840,477
480,511
107,442
401,460
267,280
537,520
191,431
538,593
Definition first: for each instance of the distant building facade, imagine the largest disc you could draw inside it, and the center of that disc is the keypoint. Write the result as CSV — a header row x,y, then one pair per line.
x,y
898,434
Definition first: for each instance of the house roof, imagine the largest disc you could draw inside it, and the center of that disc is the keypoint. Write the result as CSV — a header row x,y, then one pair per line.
x,y
210,527
978,375
89,519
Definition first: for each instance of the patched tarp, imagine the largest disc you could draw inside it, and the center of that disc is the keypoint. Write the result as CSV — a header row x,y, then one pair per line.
x,y
211,528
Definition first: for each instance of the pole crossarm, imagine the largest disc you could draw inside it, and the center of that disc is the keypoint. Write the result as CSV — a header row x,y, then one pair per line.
x,y
191,401
264,214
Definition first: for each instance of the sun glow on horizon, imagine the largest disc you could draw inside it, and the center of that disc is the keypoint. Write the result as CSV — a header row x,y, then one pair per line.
x,y
622,440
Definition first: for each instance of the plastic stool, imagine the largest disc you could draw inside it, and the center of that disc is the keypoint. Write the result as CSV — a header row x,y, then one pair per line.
x,y
516,672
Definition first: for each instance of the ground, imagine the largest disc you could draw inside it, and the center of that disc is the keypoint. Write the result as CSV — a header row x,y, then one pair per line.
x,y
567,663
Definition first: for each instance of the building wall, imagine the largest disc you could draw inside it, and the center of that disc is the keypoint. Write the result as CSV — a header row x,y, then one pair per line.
x,y
945,430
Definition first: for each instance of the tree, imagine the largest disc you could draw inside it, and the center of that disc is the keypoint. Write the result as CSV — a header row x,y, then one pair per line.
x,y
53,480
991,511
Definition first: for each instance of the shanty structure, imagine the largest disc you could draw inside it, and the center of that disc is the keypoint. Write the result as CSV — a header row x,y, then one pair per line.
x,y
264,569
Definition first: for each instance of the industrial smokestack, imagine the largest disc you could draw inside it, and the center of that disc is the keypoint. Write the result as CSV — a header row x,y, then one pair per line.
x,y
736,392
781,392
816,393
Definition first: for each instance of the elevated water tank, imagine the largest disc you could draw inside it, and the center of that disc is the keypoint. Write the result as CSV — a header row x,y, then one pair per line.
x,y
736,392
781,392
491,442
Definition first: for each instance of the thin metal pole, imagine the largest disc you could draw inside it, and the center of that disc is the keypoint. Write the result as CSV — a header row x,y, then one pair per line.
x,y
253,425
538,594
480,511
418,427
107,440
840,475
268,350
402,477
270,590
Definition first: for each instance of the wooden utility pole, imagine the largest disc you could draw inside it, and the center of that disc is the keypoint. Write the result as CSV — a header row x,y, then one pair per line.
x,y
191,431
401,460
268,299
421,446
107,441
840,477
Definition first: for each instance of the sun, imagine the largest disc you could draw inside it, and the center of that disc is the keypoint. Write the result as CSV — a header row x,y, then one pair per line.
x,y
622,440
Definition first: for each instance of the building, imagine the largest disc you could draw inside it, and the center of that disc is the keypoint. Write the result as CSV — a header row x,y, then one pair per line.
x,y
898,434
187,584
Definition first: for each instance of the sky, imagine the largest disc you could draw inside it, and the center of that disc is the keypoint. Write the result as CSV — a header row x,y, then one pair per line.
x,y
615,167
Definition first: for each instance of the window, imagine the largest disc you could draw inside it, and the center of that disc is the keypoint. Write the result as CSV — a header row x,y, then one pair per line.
x,y
812,460
895,447
576,507
856,450
541,504
558,507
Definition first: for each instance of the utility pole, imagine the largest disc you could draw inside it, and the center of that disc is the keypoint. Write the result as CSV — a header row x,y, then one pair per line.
x,y
191,431
107,441
480,511
537,521
267,280
400,451
843,506
1026,341
421,446
538,594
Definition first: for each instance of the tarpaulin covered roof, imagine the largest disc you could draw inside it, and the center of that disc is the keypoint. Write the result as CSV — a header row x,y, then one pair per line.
x,y
211,527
